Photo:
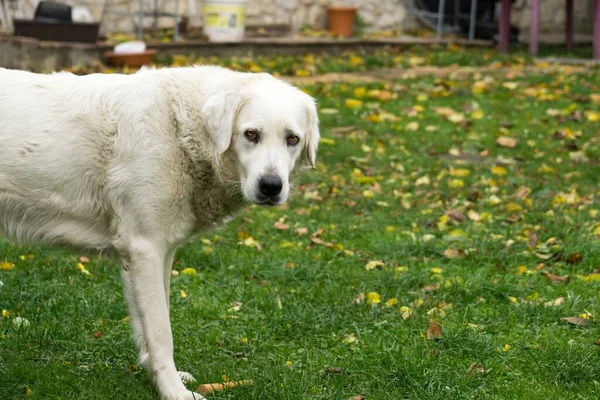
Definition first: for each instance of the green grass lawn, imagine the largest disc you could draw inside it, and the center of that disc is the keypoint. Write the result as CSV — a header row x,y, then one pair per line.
x,y
415,214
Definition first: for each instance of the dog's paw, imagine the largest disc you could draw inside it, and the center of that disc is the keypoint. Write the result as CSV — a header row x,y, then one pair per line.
x,y
186,377
188,395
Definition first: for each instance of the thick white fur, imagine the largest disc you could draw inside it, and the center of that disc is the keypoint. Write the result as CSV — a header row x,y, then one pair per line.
x,y
135,165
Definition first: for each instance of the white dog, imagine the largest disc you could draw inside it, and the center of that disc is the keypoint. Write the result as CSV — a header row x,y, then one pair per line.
x,y
135,165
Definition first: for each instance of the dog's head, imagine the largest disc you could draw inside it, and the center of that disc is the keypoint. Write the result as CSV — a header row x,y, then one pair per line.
x,y
269,129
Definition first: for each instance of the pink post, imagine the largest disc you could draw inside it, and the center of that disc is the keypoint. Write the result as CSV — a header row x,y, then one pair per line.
x,y
504,27
569,26
597,30
534,29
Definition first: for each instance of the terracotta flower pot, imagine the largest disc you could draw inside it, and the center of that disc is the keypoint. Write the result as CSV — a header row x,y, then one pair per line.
x,y
134,60
341,20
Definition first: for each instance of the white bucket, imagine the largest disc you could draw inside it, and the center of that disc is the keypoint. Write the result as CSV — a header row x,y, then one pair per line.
x,y
224,20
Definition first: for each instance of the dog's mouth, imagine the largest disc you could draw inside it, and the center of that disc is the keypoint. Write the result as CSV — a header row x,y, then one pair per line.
x,y
268,201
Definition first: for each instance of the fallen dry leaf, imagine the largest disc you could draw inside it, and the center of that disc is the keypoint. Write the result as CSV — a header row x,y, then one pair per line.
x,y
333,370
434,330
556,278
208,388
475,369
506,141
456,215
576,321
281,225
574,258
430,288
374,264
453,253
532,240
358,397
555,303
302,231
597,342
360,298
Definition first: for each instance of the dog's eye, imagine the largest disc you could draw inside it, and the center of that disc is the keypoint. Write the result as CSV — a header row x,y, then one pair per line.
x,y
293,140
251,135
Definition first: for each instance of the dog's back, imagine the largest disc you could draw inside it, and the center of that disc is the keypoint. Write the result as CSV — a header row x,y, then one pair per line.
x,y
55,136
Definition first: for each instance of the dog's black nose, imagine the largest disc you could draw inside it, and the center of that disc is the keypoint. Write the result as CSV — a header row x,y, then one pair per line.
x,y
270,185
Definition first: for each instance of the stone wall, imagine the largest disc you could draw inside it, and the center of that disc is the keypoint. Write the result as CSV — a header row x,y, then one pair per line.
x,y
376,14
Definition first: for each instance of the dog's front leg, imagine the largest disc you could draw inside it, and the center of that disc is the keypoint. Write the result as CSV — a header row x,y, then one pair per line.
x,y
143,276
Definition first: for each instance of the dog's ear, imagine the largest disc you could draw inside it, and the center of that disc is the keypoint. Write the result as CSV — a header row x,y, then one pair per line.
x,y
219,114
309,153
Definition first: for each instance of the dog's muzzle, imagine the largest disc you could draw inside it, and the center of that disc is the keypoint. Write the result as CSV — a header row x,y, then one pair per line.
x,y
269,189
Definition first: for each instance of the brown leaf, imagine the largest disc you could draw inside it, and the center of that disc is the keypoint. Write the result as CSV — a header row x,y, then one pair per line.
x,y
281,225
522,192
506,141
453,253
532,240
434,331
97,334
556,278
333,370
475,369
574,258
576,321
456,215
430,288
208,388
358,397
302,231
444,111
360,298
597,342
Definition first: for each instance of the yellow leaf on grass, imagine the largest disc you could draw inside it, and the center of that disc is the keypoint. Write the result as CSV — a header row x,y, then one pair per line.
x,y
359,92
374,264
513,207
506,348
391,302
183,294
477,114
368,194
6,266
592,116
456,118
456,183
498,170
353,103
412,126
459,172
406,312
513,299
592,278
189,271
373,298
545,169
302,73
327,141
